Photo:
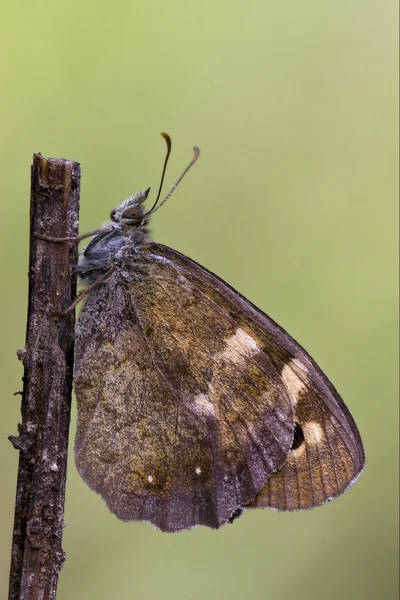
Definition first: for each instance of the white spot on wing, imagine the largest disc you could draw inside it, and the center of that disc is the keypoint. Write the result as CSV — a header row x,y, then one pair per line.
x,y
313,433
294,384
150,478
239,346
197,470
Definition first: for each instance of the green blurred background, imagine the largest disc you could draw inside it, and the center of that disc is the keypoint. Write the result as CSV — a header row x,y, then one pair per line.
x,y
293,202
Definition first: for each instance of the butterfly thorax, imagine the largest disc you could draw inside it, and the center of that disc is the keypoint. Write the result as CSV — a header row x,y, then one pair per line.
x,y
119,243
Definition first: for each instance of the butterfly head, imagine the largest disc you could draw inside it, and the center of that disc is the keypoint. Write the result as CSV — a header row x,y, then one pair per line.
x,y
131,214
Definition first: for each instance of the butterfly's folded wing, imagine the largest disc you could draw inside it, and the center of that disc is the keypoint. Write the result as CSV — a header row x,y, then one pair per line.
x,y
182,416
327,453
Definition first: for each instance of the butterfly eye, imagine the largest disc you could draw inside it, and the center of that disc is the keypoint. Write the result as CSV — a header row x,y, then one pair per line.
x,y
113,215
133,215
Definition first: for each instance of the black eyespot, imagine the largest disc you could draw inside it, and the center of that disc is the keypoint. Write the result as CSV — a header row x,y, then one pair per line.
x,y
298,437
235,515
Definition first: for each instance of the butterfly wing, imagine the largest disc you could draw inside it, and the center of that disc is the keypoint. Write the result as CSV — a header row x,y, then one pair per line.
x,y
182,416
327,454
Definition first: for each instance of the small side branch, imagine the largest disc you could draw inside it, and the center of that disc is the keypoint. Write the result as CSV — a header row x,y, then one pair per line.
x,y
37,555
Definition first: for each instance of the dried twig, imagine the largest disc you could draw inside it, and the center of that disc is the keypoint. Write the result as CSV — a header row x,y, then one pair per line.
x,y
37,555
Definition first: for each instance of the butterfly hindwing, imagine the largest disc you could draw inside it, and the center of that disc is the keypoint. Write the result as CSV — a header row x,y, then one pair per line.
x,y
182,416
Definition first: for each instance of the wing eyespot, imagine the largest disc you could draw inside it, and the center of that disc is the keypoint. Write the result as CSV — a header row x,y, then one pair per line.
x,y
298,438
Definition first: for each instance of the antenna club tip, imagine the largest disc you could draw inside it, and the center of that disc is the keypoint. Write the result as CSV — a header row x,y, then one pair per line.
x,y
196,151
168,140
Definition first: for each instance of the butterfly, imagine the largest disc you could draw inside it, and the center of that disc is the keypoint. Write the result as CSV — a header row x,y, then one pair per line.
x,y
192,403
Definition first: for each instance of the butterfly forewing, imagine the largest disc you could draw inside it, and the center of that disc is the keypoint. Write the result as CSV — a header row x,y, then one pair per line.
x,y
326,456
327,453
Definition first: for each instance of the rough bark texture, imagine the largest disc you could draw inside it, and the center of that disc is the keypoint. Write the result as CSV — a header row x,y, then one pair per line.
x,y
37,555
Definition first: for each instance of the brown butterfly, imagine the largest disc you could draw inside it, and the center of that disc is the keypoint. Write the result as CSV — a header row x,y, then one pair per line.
x,y
193,403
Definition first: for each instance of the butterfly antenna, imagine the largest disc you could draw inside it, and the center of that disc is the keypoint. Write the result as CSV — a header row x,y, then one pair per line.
x,y
195,157
169,146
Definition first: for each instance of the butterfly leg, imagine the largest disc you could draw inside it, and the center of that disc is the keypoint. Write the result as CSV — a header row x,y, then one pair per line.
x,y
77,238
80,296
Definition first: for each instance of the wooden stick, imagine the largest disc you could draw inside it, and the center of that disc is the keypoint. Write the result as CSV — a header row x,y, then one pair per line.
x,y
37,555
